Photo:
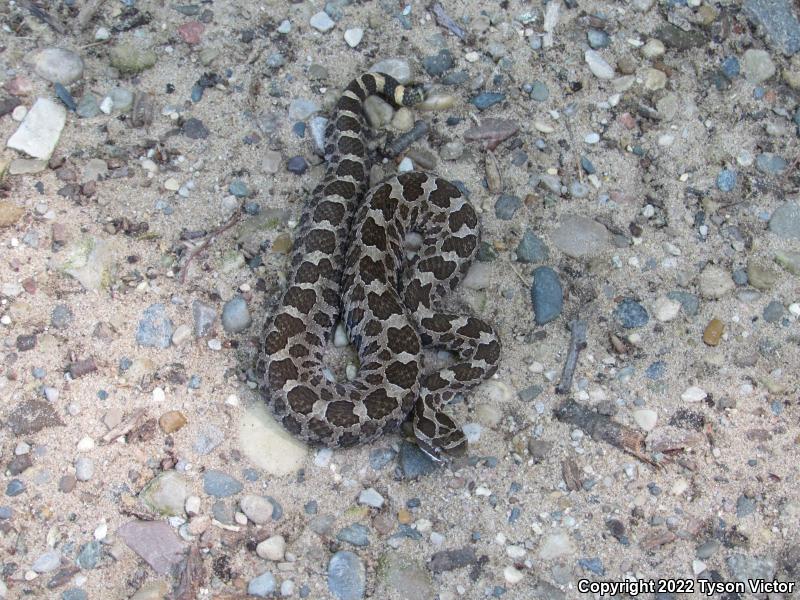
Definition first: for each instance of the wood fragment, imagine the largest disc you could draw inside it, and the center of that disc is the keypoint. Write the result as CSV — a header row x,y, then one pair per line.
x,y
571,473
191,576
443,19
493,179
577,342
207,242
124,427
43,16
401,142
604,429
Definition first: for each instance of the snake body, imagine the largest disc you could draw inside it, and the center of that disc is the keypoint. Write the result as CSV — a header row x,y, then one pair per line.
x,y
348,259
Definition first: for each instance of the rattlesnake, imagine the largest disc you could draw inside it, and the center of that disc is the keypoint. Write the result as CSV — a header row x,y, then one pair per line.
x,y
349,259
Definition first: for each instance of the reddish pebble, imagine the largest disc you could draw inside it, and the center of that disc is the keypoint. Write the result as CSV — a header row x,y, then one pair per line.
x,y
29,285
190,32
627,120
19,86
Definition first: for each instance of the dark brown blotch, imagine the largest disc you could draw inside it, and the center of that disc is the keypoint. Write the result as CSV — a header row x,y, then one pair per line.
x,y
373,234
340,413
403,339
321,240
303,299
402,375
379,404
301,399
281,371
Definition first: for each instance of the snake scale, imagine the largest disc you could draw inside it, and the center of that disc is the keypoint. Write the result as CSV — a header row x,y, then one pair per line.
x,y
349,260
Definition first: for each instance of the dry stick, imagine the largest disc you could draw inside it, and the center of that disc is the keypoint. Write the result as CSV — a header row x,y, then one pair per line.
x,y
574,150
577,342
209,239
42,15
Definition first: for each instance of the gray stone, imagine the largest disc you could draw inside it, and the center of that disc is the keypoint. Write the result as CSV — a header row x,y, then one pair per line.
x,y
778,21
130,59
630,314
580,237
88,107
262,586
84,468
356,534
301,108
449,560
757,66
715,282
547,295
220,484
506,206
380,457
61,316
166,494
395,67
58,65
89,555
235,315
707,549
371,497
49,561
407,578
346,576
744,567
414,462
321,22
437,64
203,316
785,221
155,327
770,163
690,303
745,506
773,312
257,508
532,249
208,439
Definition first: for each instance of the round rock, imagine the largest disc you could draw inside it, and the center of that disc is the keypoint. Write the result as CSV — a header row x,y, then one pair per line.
x,y
257,508
715,282
235,315
58,65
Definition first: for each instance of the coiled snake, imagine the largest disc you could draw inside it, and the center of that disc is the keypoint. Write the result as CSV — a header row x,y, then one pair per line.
x,y
349,259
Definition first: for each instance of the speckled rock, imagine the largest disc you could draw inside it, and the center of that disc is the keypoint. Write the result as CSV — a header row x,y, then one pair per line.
x,y
346,576
715,282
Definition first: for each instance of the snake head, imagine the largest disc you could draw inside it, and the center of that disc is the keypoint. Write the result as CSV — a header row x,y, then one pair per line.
x,y
441,452
412,94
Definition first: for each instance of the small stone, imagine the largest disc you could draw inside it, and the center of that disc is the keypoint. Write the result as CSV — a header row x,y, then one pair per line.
x,y
58,65
394,67
694,394
785,221
166,494
579,237
757,66
370,497
726,180
322,22
219,484
485,100
353,36
84,469
773,312
346,576
89,555
155,328
512,575
39,132
297,165
630,314
203,316
49,561
129,59
771,164
262,586
257,508
713,332
235,315
715,282
654,48
449,560
666,309
547,295
155,541
645,418
598,65
414,462
195,129
272,548
181,334
378,112
778,21
271,162
438,64
506,206
191,32
532,249
598,39
356,534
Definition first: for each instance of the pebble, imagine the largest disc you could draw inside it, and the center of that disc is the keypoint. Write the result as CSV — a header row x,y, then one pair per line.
x,y
257,508
414,462
438,64
539,91
356,534
665,309
394,67
785,221
235,315
713,332
726,180
84,469
555,545
715,282
598,65
89,555
208,439
130,59
272,548
485,100
512,575
322,22
267,445
61,316
380,457
579,237
771,164
49,561
654,48
378,112
155,541
219,484
507,206
547,295
166,494
346,576
598,39
730,67
743,568
773,312
353,36
40,130
262,586
694,394
297,165
532,249
645,418
155,327
301,109
789,261
371,497
630,314
58,65
77,594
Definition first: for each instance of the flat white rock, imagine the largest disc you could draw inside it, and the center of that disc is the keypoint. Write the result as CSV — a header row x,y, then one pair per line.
x,y
598,65
694,394
267,444
40,131
353,36
321,22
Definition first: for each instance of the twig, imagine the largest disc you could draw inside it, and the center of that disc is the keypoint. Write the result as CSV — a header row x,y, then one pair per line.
x,y
518,274
577,342
602,428
207,242
124,427
42,15
575,151
93,44
87,12
191,576
443,19
401,142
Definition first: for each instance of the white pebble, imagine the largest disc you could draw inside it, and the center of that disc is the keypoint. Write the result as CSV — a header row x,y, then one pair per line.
x,y
405,165
592,138
351,371
84,469
287,588
680,486
102,34
598,65
353,36
192,505
106,105
323,457
371,497
22,448
159,395
666,309
321,22
340,339
437,539
512,575
645,418
472,431
19,113
694,394
101,531
85,444
272,548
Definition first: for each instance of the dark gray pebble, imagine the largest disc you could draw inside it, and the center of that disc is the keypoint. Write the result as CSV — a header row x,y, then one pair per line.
x,y
773,312
220,484
547,295
631,314
195,129
414,462
507,206
155,327
297,165
485,100
532,249
437,64
356,534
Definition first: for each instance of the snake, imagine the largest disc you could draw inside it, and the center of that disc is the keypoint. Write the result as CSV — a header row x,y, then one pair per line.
x,y
349,262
